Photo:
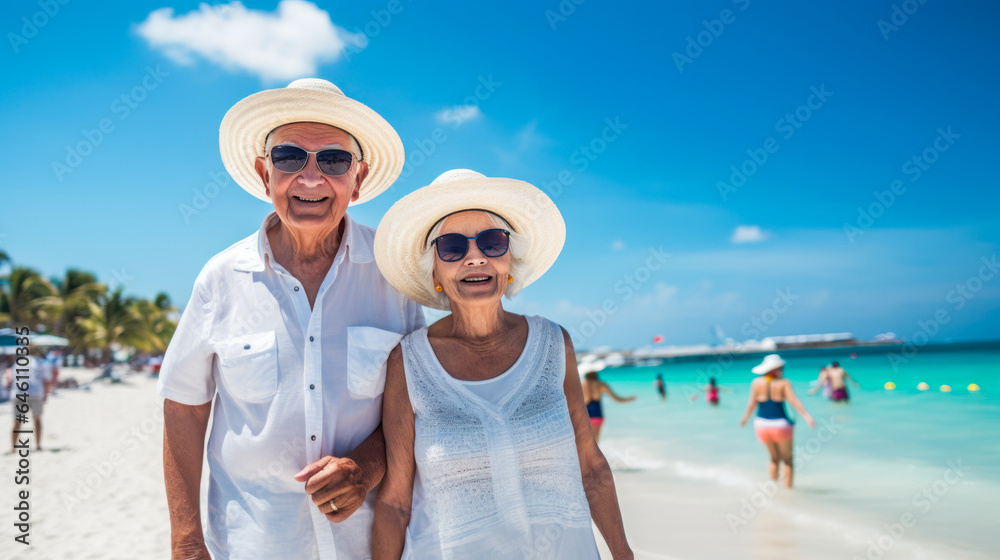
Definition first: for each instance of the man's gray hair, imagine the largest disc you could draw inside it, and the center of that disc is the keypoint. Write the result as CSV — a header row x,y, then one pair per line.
x,y
519,247
355,147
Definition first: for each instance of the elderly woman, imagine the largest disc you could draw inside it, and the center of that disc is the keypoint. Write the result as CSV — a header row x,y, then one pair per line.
x,y
489,450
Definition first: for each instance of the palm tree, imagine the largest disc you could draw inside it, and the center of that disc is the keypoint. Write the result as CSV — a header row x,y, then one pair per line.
x,y
114,320
73,292
23,303
156,322
4,304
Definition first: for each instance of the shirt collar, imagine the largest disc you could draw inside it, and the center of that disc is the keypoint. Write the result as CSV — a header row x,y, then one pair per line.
x,y
255,254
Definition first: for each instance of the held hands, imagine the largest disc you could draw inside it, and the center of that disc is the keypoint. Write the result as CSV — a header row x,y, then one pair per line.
x,y
338,479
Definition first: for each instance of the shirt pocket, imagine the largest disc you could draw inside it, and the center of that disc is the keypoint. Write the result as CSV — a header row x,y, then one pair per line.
x,y
249,365
368,350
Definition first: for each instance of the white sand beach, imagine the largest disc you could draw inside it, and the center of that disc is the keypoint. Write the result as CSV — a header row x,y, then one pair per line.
x,y
97,486
97,493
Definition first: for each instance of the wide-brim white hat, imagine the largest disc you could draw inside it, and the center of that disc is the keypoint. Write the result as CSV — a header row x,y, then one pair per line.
x,y
402,236
771,362
247,124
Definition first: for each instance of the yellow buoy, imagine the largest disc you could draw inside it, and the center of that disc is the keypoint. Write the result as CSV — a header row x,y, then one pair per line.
x,y
889,385
923,386
973,387
946,388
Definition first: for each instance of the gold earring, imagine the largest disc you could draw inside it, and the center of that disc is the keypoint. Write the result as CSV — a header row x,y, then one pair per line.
x,y
439,288
510,279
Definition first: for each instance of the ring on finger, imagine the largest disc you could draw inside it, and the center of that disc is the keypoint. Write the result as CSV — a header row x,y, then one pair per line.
x,y
333,507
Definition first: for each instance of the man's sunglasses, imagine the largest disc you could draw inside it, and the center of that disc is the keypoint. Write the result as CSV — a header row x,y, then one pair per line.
x,y
292,159
492,243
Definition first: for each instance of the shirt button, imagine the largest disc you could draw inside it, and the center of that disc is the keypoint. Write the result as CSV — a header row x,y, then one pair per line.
x,y
312,438
296,288
311,339
311,386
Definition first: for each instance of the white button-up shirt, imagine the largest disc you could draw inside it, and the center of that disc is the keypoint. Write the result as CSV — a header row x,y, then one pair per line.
x,y
291,385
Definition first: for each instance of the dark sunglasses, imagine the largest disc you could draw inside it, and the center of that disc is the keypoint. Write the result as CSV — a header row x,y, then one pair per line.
x,y
492,243
292,159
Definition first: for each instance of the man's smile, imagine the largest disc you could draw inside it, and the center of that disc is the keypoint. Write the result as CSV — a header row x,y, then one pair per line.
x,y
310,200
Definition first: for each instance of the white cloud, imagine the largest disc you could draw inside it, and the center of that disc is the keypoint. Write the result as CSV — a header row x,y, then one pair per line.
x,y
618,245
749,234
527,141
529,138
286,44
458,114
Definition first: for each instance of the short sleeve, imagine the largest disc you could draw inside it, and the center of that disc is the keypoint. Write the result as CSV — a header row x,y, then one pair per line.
x,y
186,372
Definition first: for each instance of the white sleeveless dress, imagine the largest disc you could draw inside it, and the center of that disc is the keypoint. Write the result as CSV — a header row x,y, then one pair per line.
x,y
497,472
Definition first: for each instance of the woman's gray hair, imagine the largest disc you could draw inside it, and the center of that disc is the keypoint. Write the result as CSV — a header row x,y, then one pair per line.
x,y
519,247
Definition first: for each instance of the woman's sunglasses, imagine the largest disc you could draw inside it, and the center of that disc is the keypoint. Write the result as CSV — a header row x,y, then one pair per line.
x,y
492,243
292,159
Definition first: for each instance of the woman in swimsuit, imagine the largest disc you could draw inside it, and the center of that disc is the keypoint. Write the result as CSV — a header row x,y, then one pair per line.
x,y
593,389
712,392
660,386
768,394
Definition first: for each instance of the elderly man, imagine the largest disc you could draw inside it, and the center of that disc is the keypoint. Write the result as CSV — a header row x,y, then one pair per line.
x,y
287,333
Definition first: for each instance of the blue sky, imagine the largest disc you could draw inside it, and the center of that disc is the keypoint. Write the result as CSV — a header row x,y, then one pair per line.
x,y
636,119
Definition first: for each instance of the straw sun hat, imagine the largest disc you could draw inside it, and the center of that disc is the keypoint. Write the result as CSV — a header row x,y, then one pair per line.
x,y
402,236
771,362
247,124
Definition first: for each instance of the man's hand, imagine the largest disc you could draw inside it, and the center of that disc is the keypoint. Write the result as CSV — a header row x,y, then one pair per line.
x,y
184,429
337,479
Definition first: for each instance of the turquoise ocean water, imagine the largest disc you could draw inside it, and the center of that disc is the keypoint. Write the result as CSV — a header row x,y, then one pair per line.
x,y
884,455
